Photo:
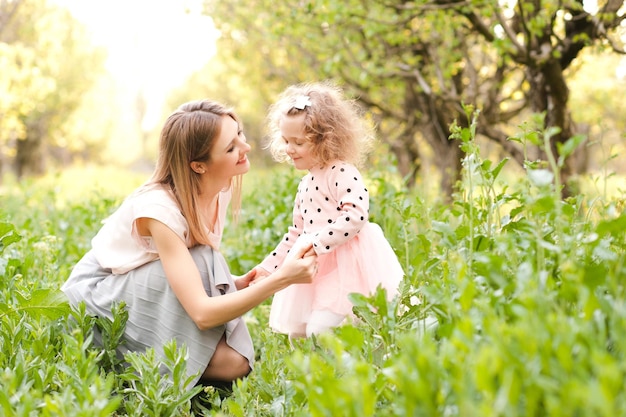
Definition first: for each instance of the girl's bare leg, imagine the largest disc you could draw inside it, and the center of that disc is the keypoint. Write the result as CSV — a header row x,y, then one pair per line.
x,y
323,321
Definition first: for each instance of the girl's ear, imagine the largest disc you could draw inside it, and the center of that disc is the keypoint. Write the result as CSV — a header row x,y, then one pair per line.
x,y
197,167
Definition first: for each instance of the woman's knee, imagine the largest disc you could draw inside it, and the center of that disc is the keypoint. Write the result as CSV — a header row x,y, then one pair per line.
x,y
238,364
227,364
242,368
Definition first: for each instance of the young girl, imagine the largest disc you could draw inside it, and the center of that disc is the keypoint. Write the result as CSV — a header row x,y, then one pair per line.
x,y
319,130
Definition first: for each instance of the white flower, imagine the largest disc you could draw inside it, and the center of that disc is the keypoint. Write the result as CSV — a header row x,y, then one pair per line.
x,y
540,177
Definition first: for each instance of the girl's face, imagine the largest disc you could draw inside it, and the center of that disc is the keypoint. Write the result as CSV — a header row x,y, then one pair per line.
x,y
229,152
297,146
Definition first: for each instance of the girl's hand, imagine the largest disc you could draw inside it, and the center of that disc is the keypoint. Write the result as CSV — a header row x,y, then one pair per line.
x,y
246,279
260,274
310,252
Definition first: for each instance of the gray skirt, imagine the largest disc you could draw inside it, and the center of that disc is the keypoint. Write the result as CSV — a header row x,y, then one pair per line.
x,y
155,316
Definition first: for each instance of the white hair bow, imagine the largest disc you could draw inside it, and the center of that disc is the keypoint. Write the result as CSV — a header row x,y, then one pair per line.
x,y
302,102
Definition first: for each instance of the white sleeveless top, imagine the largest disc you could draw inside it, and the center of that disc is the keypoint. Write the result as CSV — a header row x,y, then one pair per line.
x,y
118,245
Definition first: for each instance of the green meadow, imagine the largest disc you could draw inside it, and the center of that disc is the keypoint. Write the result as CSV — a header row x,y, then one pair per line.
x,y
513,304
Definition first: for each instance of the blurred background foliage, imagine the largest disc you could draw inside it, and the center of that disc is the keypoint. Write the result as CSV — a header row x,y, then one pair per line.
x,y
412,65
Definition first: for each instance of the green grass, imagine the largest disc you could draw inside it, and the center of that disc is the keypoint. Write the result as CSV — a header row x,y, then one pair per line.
x,y
513,305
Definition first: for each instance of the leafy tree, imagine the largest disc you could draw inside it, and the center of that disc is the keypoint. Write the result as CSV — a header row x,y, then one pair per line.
x,y
47,65
415,64
542,39
249,69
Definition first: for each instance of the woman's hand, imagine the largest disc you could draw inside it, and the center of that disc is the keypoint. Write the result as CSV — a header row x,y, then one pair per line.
x,y
301,266
208,312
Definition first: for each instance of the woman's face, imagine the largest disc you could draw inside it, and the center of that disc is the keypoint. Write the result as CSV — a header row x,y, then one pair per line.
x,y
297,146
229,153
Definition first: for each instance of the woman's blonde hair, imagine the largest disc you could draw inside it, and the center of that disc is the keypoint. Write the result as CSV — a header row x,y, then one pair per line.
x,y
188,135
333,123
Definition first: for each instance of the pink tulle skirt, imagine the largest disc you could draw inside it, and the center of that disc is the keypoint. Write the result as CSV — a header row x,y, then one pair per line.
x,y
358,266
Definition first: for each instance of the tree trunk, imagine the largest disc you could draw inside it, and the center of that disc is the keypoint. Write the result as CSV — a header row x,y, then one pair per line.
x,y
437,114
450,165
29,158
405,148
550,95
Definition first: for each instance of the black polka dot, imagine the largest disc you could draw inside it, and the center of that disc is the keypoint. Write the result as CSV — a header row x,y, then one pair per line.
x,y
317,188
336,184
330,220
356,179
315,244
333,167
330,233
286,238
338,208
319,210
347,219
326,198
327,247
346,234
305,211
311,221
362,218
274,254
342,170
360,198
312,178
349,190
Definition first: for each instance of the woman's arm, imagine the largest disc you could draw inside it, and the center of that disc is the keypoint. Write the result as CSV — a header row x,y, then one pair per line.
x,y
184,278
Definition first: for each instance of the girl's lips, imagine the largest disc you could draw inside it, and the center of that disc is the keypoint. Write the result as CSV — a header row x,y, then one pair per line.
x,y
242,161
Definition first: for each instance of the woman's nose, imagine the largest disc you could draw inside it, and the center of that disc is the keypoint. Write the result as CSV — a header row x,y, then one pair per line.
x,y
246,147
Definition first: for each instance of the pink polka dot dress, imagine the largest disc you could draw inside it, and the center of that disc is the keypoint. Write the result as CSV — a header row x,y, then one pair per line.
x,y
331,211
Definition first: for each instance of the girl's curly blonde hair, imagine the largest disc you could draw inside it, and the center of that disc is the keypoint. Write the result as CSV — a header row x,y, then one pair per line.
x,y
333,123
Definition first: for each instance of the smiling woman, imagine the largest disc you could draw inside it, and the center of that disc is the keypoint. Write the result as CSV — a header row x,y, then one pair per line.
x,y
158,253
